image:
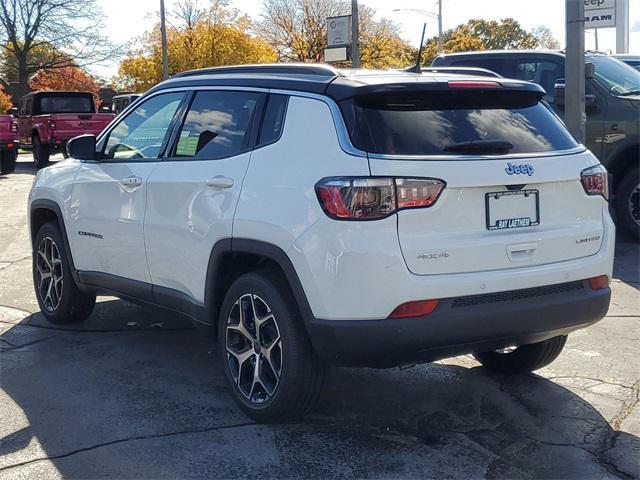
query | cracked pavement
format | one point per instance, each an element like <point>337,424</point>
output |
<point>134,392</point>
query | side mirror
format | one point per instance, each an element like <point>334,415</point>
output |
<point>589,70</point>
<point>82,147</point>
<point>558,93</point>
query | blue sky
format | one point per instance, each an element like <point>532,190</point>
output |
<point>126,19</point>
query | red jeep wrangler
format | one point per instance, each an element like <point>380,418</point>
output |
<point>8,144</point>
<point>46,120</point>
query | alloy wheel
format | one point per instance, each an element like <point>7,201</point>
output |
<point>254,348</point>
<point>634,204</point>
<point>49,274</point>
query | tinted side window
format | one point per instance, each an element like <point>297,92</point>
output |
<point>218,124</point>
<point>544,73</point>
<point>273,119</point>
<point>494,64</point>
<point>140,134</point>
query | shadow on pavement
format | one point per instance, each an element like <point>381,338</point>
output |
<point>135,392</point>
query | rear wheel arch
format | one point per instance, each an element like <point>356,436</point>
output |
<point>230,259</point>
<point>624,161</point>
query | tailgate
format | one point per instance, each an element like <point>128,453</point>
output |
<point>468,230</point>
<point>69,125</point>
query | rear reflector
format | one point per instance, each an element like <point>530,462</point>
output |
<point>473,84</point>
<point>598,283</point>
<point>414,309</point>
<point>9,145</point>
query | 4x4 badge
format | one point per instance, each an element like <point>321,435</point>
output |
<point>519,169</point>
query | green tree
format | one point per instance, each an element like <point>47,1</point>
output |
<point>545,38</point>
<point>501,35</point>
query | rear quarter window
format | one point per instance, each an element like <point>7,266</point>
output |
<point>429,123</point>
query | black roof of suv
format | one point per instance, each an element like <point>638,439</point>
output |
<point>326,80</point>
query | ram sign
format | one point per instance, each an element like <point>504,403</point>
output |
<point>599,13</point>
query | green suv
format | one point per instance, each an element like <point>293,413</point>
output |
<point>612,105</point>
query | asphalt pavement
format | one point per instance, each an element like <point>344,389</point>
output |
<point>135,393</point>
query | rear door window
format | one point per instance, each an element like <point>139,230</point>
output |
<point>439,122</point>
<point>218,125</point>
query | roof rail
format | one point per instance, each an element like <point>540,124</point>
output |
<point>477,71</point>
<point>267,68</point>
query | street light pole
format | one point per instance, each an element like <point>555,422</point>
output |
<point>163,33</point>
<point>355,35</point>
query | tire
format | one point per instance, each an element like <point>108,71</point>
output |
<point>61,302</point>
<point>8,161</point>
<point>627,203</point>
<point>291,357</point>
<point>525,358</point>
<point>41,152</point>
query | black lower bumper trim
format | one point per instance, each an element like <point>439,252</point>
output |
<point>453,329</point>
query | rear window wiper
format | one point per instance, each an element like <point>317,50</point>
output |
<point>476,146</point>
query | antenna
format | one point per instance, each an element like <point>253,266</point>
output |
<point>417,68</point>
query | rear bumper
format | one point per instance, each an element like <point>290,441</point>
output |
<point>461,325</point>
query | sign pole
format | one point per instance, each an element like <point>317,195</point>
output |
<point>355,44</point>
<point>574,114</point>
<point>163,33</point>
<point>622,26</point>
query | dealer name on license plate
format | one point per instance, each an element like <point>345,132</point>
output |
<point>512,209</point>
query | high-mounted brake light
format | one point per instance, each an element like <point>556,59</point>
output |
<point>473,84</point>
<point>595,181</point>
<point>418,308</point>
<point>372,198</point>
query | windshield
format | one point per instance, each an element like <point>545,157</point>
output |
<point>616,76</point>
<point>454,123</point>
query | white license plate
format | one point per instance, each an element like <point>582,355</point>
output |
<point>512,209</point>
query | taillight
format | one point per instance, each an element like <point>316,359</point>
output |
<point>418,308</point>
<point>595,181</point>
<point>372,198</point>
<point>14,127</point>
<point>52,124</point>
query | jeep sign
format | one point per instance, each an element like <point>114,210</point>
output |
<point>599,13</point>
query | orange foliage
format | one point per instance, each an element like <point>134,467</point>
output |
<point>70,79</point>
<point>5,101</point>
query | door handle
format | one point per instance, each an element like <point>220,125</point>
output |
<point>131,183</point>
<point>219,182</point>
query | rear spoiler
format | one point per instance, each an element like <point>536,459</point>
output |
<point>341,91</point>
<point>475,71</point>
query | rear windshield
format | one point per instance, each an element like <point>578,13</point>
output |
<point>441,122</point>
<point>66,104</point>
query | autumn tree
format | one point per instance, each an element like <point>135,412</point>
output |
<point>479,35</point>
<point>545,38</point>
<point>5,101</point>
<point>297,29</point>
<point>48,34</point>
<point>195,39</point>
<point>71,79</point>
<point>505,34</point>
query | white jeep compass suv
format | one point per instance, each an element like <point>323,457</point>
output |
<point>313,216</point>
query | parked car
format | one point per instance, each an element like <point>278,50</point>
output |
<point>120,102</point>
<point>612,107</point>
<point>629,59</point>
<point>47,120</point>
<point>317,217</point>
<point>8,144</point>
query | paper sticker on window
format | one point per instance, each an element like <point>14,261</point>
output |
<point>187,145</point>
